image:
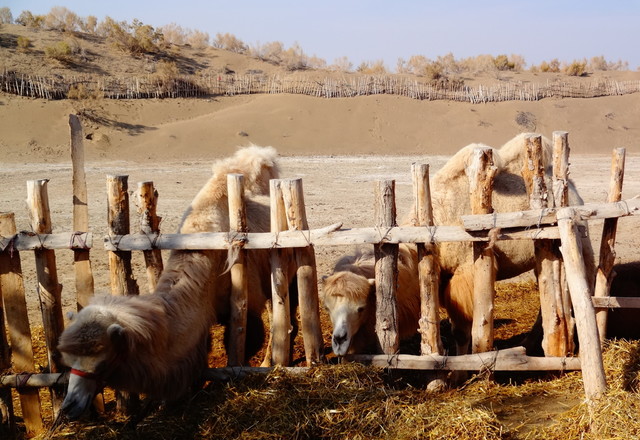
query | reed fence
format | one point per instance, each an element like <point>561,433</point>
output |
<point>555,226</point>
<point>150,86</point>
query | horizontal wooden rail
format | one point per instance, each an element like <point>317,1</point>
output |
<point>512,359</point>
<point>616,302</point>
<point>29,241</point>
<point>547,216</point>
<point>329,236</point>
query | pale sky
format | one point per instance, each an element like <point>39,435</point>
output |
<point>387,30</point>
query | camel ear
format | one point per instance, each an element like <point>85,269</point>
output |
<point>117,335</point>
<point>324,278</point>
<point>372,285</point>
<point>71,316</point>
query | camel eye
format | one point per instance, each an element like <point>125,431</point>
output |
<point>360,309</point>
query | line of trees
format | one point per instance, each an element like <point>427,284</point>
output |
<point>138,38</point>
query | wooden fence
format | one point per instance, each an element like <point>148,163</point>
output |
<point>547,225</point>
<point>150,86</point>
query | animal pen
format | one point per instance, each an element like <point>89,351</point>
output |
<point>555,229</point>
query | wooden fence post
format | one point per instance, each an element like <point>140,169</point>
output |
<point>293,197</point>
<point>607,244</point>
<point>428,269</point>
<point>481,173</point>
<point>386,269</point>
<point>122,280</point>
<point>590,350</point>
<point>281,315</point>
<point>81,259</point>
<point>150,224</point>
<point>554,341</point>
<point>239,273</point>
<point>15,307</point>
<point>7,420</point>
<point>49,290</point>
<point>561,199</point>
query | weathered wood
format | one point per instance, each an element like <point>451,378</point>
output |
<point>28,241</point>
<point>150,224</point>
<point>328,236</point>
<point>121,274</point>
<point>7,420</point>
<point>481,173</point>
<point>617,302</point>
<point>561,152</point>
<point>590,350</point>
<point>239,274</point>
<point>607,251</point>
<point>15,308</point>
<point>49,290</point>
<point>512,359</point>
<point>386,270</point>
<point>281,315</point>
<point>554,340</point>
<point>428,269</point>
<point>293,197</point>
<point>536,217</point>
<point>81,256</point>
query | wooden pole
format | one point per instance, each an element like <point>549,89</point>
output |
<point>428,269</point>
<point>590,349</point>
<point>307,275</point>
<point>239,273</point>
<point>607,244</point>
<point>561,199</point>
<point>122,280</point>
<point>554,341</point>
<point>386,269</point>
<point>81,259</point>
<point>49,290</point>
<point>7,420</point>
<point>481,173</point>
<point>150,224</point>
<point>281,316</point>
<point>15,308</point>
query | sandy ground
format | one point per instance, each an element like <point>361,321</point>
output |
<point>336,189</point>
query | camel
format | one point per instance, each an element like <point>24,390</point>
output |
<point>349,297</point>
<point>449,187</point>
<point>157,344</point>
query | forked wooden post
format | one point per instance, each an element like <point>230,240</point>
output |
<point>293,197</point>
<point>49,290</point>
<point>590,349</point>
<point>428,269</point>
<point>15,308</point>
<point>607,250</point>
<point>561,199</point>
<point>554,341</point>
<point>386,269</point>
<point>150,224</point>
<point>81,259</point>
<point>281,321</point>
<point>481,173</point>
<point>239,273</point>
<point>122,280</point>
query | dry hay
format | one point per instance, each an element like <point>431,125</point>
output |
<point>359,402</point>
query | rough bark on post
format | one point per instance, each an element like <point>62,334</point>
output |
<point>590,349</point>
<point>607,243</point>
<point>281,313</point>
<point>428,269</point>
<point>239,274</point>
<point>386,269</point>
<point>81,258</point>
<point>554,341</point>
<point>49,290</point>
<point>293,197</point>
<point>7,420</point>
<point>481,173</point>
<point>150,224</point>
<point>122,280</point>
<point>15,308</point>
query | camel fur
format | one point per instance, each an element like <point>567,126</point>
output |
<point>157,344</point>
<point>349,297</point>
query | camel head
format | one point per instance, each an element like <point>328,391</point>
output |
<point>92,346</point>
<point>350,301</point>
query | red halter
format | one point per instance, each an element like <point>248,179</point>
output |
<point>84,374</point>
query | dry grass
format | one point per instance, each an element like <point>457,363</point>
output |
<point>357,402</point>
